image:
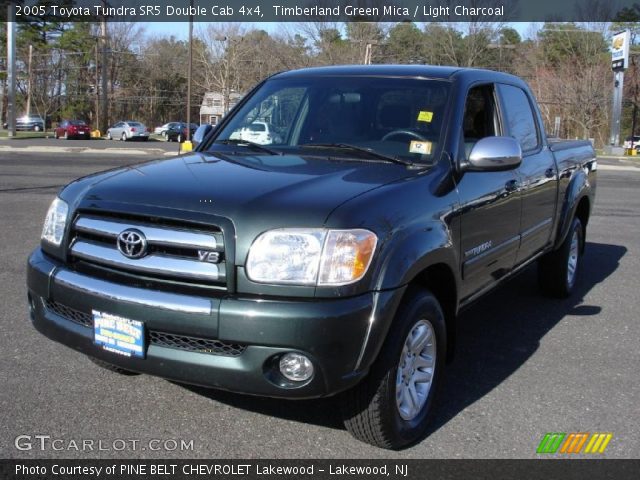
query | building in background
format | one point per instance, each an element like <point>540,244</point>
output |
<point>214,107</point>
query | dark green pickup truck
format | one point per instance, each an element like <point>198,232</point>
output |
<point>321,240</point>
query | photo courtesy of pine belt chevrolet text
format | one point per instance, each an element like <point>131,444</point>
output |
<point>320,240</point>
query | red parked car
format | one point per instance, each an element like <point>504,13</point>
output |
<point>72,129</point>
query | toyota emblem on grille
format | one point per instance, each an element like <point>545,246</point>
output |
<point>132,243</point>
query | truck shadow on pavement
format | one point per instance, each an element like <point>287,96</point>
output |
<point>495,337</point>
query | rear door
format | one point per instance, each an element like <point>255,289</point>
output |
<point>490,201</point>
<point>116,130</point>
<point>538,172</point>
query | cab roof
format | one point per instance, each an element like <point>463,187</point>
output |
<point>408,71</point>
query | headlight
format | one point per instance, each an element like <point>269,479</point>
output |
<point>311,256</point>
<point>55,221</point>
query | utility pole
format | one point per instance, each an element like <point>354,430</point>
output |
<point>189,69</point>
<point>96,119</point>
<point>104,114</point>
<point>11,70</point>
<point>28,112</point>
<point>367,54</point>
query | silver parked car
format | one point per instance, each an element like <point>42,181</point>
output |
<point>128,131</point>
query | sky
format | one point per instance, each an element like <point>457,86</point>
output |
<point>181,29</point>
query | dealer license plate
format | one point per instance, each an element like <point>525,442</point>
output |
<point>119,335</point>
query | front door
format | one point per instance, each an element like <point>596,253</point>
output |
<point>490,202</point>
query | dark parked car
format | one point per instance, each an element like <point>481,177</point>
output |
<point>178,132</point>
<point>30,122</point>
<point>72,129</point>
<point>331,262</point>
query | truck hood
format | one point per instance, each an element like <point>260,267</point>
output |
<point>255,192</point>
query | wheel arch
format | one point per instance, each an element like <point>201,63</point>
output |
<point>576,203</point>
<point>440,280</point>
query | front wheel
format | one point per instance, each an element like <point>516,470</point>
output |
<point>109,137</point>
<point>391,408</point>
<point>558,270</point>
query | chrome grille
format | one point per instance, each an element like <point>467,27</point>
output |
<point>173,252</point>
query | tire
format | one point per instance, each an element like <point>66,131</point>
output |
<point>558,270</point>
<point>66,135</point>
<point>180,139</point>
<point>55,135</point>
<point>112,368</point>
<point>164,135</point>
<point>36,128</point>
<point>123,137</point>
<point>377,410</point>
<point>109,137</point>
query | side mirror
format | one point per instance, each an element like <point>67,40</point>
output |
<point>201,132</point>
<point>494,154</point>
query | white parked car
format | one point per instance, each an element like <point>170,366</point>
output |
<point>257,132</point>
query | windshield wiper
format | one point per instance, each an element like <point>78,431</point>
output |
<point>245,143</point>
<point>355,148</point>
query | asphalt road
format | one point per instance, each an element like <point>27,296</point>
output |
<point>526,365</point>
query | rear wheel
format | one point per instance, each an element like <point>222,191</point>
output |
<point>558,270</point>
<point>123,137</point>
<point>180,139</point>
<point>112,368</point>
<point>66,135</point>
<point>391,408</point>
<point>55,134</point>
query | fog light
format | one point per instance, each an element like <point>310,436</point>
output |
<point>296,367</point>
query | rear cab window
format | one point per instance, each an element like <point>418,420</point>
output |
<point>519,117</point>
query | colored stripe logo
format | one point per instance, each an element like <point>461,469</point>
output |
<point>574,442</point>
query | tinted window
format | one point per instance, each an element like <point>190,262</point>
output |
<point>257,127</point>
<point>479,119</point>
<point>519,116</point>
<point>76,122</point>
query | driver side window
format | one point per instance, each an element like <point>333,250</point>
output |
<point>480,116</point>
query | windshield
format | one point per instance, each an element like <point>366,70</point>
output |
<point>394,117</point>
<point>76,122</point>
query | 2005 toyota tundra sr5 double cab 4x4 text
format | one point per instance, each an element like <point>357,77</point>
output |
<point>331,258</point>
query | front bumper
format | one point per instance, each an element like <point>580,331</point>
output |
<point>331,332</point>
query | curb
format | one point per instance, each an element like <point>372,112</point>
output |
<point>87,150</point>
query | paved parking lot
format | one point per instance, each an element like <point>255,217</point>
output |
<point>526,365</point>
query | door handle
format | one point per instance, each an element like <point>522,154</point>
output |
<point>511,186</point>
<point>550,173</point>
